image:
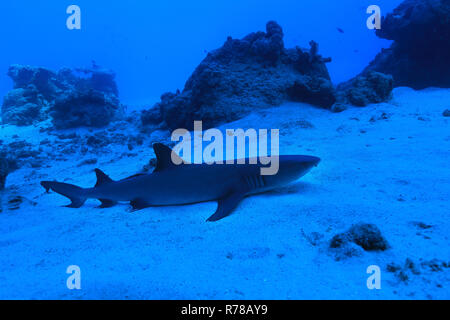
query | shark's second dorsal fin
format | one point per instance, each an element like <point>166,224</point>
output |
<point>102,178</point>
<point>164,156</point>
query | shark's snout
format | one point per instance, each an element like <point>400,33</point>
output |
<point>309,161</point>
<point>314,161</point>
<point>293,167</point>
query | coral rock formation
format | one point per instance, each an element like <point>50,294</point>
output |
<point>373,87</point>
<point>419,57</point>
<point>72,97</point>
<point>244,74</point>
<point>91,109</point>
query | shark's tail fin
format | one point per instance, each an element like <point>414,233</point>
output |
<point>74,193</point>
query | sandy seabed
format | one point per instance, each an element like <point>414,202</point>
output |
<point>385,164</point>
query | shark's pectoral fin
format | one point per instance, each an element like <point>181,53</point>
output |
<point>138,204</point>
<point>76,203</point>
<point>226,205</point>
<point>107,203</point>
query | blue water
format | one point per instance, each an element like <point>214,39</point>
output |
<point>153,46</point>
<point>385,164</point>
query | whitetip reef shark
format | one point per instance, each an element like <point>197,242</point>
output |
<point>171,184</point>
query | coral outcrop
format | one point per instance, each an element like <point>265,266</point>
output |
<point>254,72</point>
<point>373,87</point>
<point>70,97</point>
<point>24,106</point>
<point>91,108</point>
<point>419,57</point>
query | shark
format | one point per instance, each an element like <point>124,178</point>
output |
<point>187,183</point>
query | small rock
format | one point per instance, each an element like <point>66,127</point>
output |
<point>434,265</point>
<point>338,107</point>
<point>402,275</point>
<point>393,267</point>
<point>367,236</point>
<point>87,162</point>
<point>411,268</point>
<point>409,264</point>
<point>14,202</point>
<point>421,225</point>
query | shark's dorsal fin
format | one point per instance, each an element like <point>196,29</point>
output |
<point>102,178</point>
<point>164,157</point>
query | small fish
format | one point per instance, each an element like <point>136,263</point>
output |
<point>340,30</point>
